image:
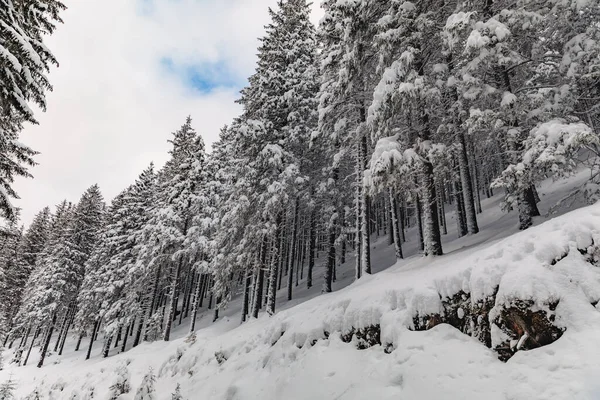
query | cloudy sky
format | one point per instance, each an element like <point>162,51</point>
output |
<point>130,72</point>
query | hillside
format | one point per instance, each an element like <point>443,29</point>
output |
<point>390,335</point>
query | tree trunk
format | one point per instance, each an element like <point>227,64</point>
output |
<point>292,257</point>
<point>106,347</point>
<point>201,284</point>
<point>419,219</point>
<point>312,239</point>
<point>79,339</point>
<point>461,219</point>
<point>260,283</point>
<point>172,301</point>
<point>277,242</point>
<point>330,256</point>
<point>118,339</point>
<point>441,209</point>
<point>464,168</point>
<point>65,333</point>
<point>365,219</point>
<point>94,331</point>
<point>35,335</point>
<point>246,301</point>
<point>127,333</point>
<point>431,227</point>
<point>395,226</point>
<point>217,305</point>
<point>46,343</point>
<point>138,332</point>
<point>63,324</point>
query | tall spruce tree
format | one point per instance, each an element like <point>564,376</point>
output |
<point>24,65</point>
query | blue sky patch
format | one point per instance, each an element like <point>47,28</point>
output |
<point>203,77</point>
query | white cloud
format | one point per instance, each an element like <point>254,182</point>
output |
<point>114,106</point>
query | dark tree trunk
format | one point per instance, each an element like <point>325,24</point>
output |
<point>292,257</point>
<point>281,261</point>
<point>35,335</point>
<point>441,209</point>
<point>138,332</point>
<point>419,222</point>
<point>93,335</point>
<point>172,301</point>
<point>79,339</point>
<point>312,242</point>
<point>200,287</point>
<point>431,222</point>
<point>277,243</point>
<point>460,211</point>
<point>260,282</point>
<point>65,333</point>
<point>106,347</point>
<point>366,218</point>
<point>127,333</point>
<point>46,343</point>
<point>63,324</point>
<point>401,212</point>
<point>188,299</point>
<point>118,338</point>
<point>246,301</point>
<point>204,288</point>
<point>330,258</point>
<point>395,226</point>
<point>216,314</point>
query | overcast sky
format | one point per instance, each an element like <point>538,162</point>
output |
<point>130,71</point>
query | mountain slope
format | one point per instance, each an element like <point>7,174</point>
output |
<point>311,350</point>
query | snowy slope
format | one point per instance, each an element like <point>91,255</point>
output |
<point>299,353</point>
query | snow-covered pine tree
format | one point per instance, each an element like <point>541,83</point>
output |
<point>11,237</point>
<point>37,294</point>
<point>105,271</point>
<point>267,154</point>
<point>24,64</point>
<point>180,183</point>
<point>407,100</point>
<point>60,270</point>
<point>132,301</point>
<point>24,261</point>
<point>494,38</point>
<point>347,68</point>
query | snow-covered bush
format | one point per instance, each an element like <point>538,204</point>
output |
<point>146,391</point>
<point>121,384</point>
<point>7,390</point>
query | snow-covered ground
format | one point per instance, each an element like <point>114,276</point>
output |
<point>299,352</point>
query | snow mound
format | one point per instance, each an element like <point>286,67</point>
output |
<point>530,299</point>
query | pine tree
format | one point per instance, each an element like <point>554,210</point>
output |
<point>19,263</point>
<point>25,62</point>
<point>9,271</point>
<point>179,198</point>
